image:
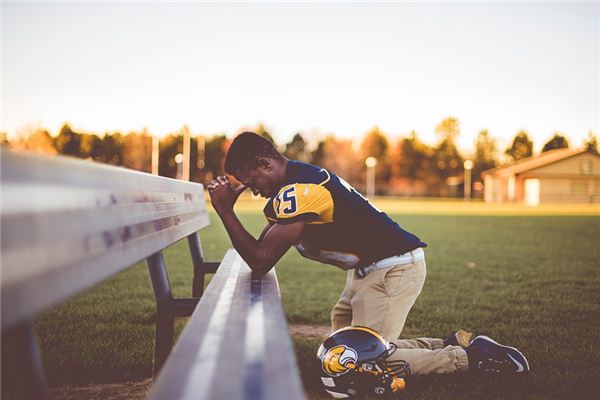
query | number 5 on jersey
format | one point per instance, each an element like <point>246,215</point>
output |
<point>287,201</point>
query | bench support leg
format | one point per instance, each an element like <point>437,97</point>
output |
<point>23,375</point>
<point>164,340</point>
<point>165,318</point>
<point>201,267</point>
<point>167,308</point>
<point>198,261</point>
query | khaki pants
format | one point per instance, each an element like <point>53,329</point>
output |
<point>381,300</point>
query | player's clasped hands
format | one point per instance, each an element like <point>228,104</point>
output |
<point>219,182</point>
<point>222,195</point>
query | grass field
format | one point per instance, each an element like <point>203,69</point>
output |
<point>528,277</point>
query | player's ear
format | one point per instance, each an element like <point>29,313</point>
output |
<point>265,163</point>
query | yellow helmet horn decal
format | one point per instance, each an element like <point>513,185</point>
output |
<point>338,360</point>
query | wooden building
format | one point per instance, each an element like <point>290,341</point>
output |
<point>555,176</point>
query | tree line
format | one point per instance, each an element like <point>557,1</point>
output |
<point>407,166</point>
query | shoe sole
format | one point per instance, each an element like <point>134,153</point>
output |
<point>516,354</point>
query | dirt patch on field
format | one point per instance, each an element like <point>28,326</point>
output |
<point>138,390</point>
<point>132,390</point>
<point>313,331</point>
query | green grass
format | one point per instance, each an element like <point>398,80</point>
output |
<point>523,276</point>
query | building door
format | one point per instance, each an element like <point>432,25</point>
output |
<point>532,192</point>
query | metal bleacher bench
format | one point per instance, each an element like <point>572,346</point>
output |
<point>67,225</point>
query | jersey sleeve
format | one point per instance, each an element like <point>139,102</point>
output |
<point>303,201</point>
<point>269,211</point>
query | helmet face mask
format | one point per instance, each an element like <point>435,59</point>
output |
<point>353,364</point>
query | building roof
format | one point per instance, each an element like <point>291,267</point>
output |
<point>533,162</point>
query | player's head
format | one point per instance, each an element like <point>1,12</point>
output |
<point>255,162</point>
<point>354,364</point>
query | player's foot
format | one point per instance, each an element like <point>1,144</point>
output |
<point>486,355</point>
<point>459,338</point>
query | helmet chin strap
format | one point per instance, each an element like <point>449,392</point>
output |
<point>392,349</point>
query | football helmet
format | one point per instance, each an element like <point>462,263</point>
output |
<point>353,364</point>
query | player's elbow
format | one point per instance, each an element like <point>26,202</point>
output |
<point>260,269</point>
<point>261,264</point>
<point>258,273</point>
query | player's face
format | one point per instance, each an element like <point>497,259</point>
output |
<point>260,180</point>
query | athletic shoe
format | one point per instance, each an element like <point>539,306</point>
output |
<point>488,356</point>
<point>459,338</point>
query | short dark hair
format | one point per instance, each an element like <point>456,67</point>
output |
<point>246,149</point>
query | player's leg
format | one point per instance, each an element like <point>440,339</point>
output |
<point>341,314</point>
<point>481,355</point>
<point>420,343</point>
<point>460,338</point>
<point>424,361</point>
<point>383,299</point>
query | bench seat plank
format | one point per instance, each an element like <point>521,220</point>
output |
<point>236,344</point>
<point>68,224</point>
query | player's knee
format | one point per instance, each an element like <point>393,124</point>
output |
<point>340,320</point>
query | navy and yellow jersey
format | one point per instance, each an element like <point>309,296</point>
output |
<point>342,227</point>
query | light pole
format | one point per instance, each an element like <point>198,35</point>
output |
<point>185,174</point>
<point>155,143</point>
<point>179,161</point>
<point>201,142</point>
<point>468,164</point>
<point>371,162</point>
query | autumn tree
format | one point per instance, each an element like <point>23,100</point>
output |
<point>558,141</point>
<point>521,147</point>
<point>215,151</point>
<point>591,144</point>
<point>412,158</point>
<point>90,146</point>
<point>296,149</point>
<point>138,151</point>
<point>262,130</point>
<point>37,141</point>
<point>317,156</point>
<point>67,141</point>
<point>447,159</point>
<point>339,157</point>
<point>485,154</point>
<point>448,128</point>
<point>413,172</point>
<point>112,149</point>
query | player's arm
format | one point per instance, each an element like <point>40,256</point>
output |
<point>265,230</point>
<point>261,255</point>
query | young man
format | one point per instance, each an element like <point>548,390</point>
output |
<point>329,221</point>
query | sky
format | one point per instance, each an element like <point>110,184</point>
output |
<point>315,68</point>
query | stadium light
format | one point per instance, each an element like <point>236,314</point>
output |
<point>468,164</point>
<point>155,154</point>
<point>179,161</point>
<point>187,142</point>
<point>371,162</point>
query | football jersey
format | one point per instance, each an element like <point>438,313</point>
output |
<point>342,227</point>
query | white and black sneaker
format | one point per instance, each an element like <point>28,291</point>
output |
<point>486,355</point>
